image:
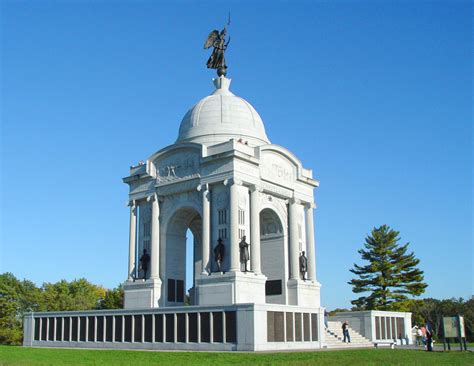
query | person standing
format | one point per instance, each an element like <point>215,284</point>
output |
<point>423,335</point>
<point>419,337</point>
<point>429,337</point>
<point>345,332</point>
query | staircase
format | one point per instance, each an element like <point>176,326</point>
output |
<point>334,337</point>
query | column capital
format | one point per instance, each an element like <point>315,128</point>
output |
<point>309,205</point>
<point>203,187</point>
<point>256,188</point>
<point>294,200</point>
<point>133,205</point>
<point>153,197</point>
<point>232,181</point>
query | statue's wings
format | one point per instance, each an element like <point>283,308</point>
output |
<point>211,38</point>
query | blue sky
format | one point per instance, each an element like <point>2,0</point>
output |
<point>375,97</point>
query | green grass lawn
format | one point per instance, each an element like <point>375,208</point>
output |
<point>45,356</point>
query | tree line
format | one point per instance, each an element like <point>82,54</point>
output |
<point>20,297</point>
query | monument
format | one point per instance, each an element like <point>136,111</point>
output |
<point>249,205</point>
<point>225,181</point>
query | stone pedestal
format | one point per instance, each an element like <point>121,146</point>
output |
<point>231,288</point>
<point>304,293</point>
<point>141,294</point>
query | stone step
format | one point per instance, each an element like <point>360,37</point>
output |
<point>334,337</point>
<point>341,337</point>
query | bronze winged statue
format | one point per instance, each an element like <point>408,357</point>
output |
<point>216,39</point>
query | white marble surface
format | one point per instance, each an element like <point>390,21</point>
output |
<point>220,117</point>
<point>221,157</point>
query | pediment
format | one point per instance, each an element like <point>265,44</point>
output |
<point>278,168</point>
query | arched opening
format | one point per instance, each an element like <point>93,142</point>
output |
<point>273,258</point>
<point>183,256</point>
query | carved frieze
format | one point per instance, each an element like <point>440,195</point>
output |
<point>179,166</point>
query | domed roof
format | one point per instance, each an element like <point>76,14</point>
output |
<point>220,117</point>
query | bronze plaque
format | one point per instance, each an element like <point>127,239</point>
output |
<point>306,327</point>
<point>279,326</point>
<point>273,287</point>
<point>181,327</point>
<point>314,327</point>
<point>270,326</point>
<point>298,335</point>
<point>290,325</point>
<point>137,335</point>
<point>230,327</point>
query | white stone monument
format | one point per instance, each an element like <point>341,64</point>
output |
<point>222,179</point>
<point>225,182</point>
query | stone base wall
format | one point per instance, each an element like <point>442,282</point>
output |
<point>142,294</point>
<point>242,327</point>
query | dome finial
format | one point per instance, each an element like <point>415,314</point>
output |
<point>221,83</point>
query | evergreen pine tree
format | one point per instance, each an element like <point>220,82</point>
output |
<point>390,275</point>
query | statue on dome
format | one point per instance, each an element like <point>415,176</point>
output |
<point>216,39</point>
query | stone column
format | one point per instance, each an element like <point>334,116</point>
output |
<point>234,227</point>
<point>206,227</point>
<point>294,242</point>
<point>132,254</point>
<point>310,242</point>
<point>155,238</point>
<point>255,230</point>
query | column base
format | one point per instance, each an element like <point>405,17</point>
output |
<point>231,288</point>
<point>142,294</point>
<point>304,293</point>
